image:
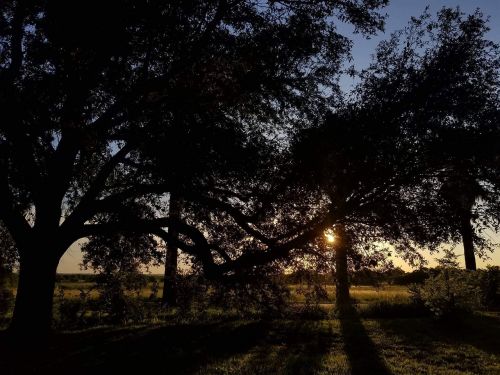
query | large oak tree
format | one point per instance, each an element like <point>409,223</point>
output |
<point>97,96</point>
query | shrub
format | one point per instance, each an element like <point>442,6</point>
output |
<point>314,294</point>
<point>71,311</point>
<point>489,283</point>
<point>262,296</point>
<point>449,292</point>
<point>120,296</point>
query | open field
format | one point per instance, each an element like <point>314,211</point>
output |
<point>362,295</point>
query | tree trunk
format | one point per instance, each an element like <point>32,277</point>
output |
<point>169,297</point>
<point>35,292</point>
<point>467,233</point>
<point>342,300</point>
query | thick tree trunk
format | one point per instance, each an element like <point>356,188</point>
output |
<point>35,292</point>
<point>342,298</point>
<point>169,297</point>
<point>467,232</point>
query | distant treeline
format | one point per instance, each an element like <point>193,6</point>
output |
<point>394,276</point>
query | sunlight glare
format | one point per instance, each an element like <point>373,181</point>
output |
<point>330,238</point>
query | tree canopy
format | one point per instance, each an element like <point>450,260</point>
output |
<point>234,107</point>
<point>108,108</point>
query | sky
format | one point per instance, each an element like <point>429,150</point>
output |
<point>398,13</point>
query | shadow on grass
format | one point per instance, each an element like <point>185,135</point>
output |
<point>362,353</point>
<point>172,350</point>
<point>479,331</point>
<point>287,347</point>
<point>296,347</point>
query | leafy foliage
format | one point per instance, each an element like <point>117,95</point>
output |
<point>111,107</point>
<point>452,291</point>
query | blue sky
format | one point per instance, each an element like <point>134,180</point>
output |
<point>398,13</point>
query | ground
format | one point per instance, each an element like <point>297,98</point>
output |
<point>354,345</point>
<point>347,346</point>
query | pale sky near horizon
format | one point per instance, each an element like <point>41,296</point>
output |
<point>399,13</point>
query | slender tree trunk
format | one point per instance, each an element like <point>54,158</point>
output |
<point>169,297</point>
<point>467,232</point>
<point>342,300</point>
<point>35,292</point>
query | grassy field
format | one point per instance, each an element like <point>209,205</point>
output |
<point>361,294</point>
<point>354,345</point>
<point>347,346</point>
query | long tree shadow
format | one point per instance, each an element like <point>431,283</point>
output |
<point>362,353</point>
<point>170,350</point>
<point>294,347</point>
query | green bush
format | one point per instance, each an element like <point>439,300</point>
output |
<point>452,292</point>
<point>489,282</point>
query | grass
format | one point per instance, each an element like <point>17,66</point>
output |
<point>337,346</point>
<point>398,343</point>
<point>361,294</point>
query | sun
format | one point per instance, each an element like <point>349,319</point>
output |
<point>330,238</point>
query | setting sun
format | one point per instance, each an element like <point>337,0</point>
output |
<point>330,238</point>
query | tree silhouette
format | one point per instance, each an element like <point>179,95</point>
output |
<point>426,108</point>
<point>110,107</point>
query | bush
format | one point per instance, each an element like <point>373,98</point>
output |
<point>71,311</point>
<point>450,292</point>
<point>118,301</point>
<point>489,283</point>
<point>263,297</point>
<point>314,294</point>
<point>120,296</point>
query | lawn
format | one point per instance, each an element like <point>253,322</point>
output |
<point>225,345</point>
<point>347,346</point>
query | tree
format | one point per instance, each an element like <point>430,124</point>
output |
<point>169,297</point>
<point>89,89</point>
<point>469,187</point>
<point>425,108</point>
